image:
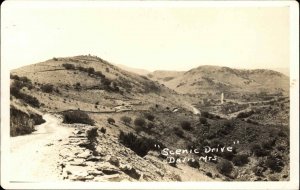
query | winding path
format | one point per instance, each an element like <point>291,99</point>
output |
<point>35,157</point>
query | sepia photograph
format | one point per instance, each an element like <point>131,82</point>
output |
<point>198,94</point>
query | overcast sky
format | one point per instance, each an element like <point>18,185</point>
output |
<point>152,38</point>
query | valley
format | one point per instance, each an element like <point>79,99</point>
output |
<point>115,120</point>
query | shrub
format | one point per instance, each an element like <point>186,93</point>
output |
<point>55,59</point>
<point>82,69</point>
<point>15,91</point>
<point>37,119</point>
<point>91,70</point>
<point>111,121</point>
<point>140,146</point>
<point>228,155</point>
<point>139,122</point>
<point>258,170</point>
<point>48,88</point>
<point>150,125</point>
<point>92,133</point>
<point>186,125</point>
<point>268,144</point>
<point>126,120</point>
<point>68,66</point>
<point>228,124</point>
<point>240,160</point>
<point>225,167</point>
<point>258,151</point>
<point>275,164</point>
<point>77,116</point>
<point>16,77</point>
<point>245,114</point>
<point>194,163</point>
<point>149,116</point>
<point>205,114</point>
<point>103,130</point>
<point>179,132</point>
<point>203,120</point>
<point>99,74</point>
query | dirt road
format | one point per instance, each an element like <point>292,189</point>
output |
<point>35,157</point>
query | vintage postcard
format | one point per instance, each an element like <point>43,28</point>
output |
<point>149,94</point>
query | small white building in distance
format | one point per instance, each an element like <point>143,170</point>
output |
<point>222,98</point>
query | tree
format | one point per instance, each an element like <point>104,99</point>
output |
<point>225,167</point>
<point>139,122</point>
<point>111,121</point>
<point>186,125</point>
<point>126,120</point>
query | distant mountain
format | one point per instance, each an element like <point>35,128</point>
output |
<point>282,70</point>
<point>221,79</point>
<point>133,70</point>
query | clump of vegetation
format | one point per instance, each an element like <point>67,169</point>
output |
<point>150,125</point>
<point>126,120</point>
<point>203,120</point>
<point>225,167</point>
<point>149,116</point>
<point>269,144</point>
<point>240,160</point>
<point>141,146</point>
<point>245,114</point>
<point>178,132</point>
<point>275,164</point>
<point>186,125</point>
<point>68,66</point>
<point>258,151</point>
<point>139,122</point>
<point>15,91</point>
<point>48,88</point>
<point>91,70</point>
<point>209,115</point>
<point>77,116</point>
<point>22,123</point>
<point>37,119</point>
<point>103,130</point>
<point>111,121</point>
<point>92,135</point>
<point>21,82</point>
<point>194,163</point>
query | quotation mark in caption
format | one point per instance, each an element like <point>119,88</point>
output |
<point>236,142</point>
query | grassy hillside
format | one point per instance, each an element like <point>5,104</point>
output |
<point>214,79</point>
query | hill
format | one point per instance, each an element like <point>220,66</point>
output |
<point>85,82</point>
<point>122,121</point>
<point>214,79</point>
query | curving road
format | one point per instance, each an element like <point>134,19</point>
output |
<point>35,157</point>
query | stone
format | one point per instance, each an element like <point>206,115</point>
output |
<point>114,161</point>
<point>107,168</point>
<point>95,173</point>
<point>84,155</point>
<point>132,172</point>
<point>93,159</point>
